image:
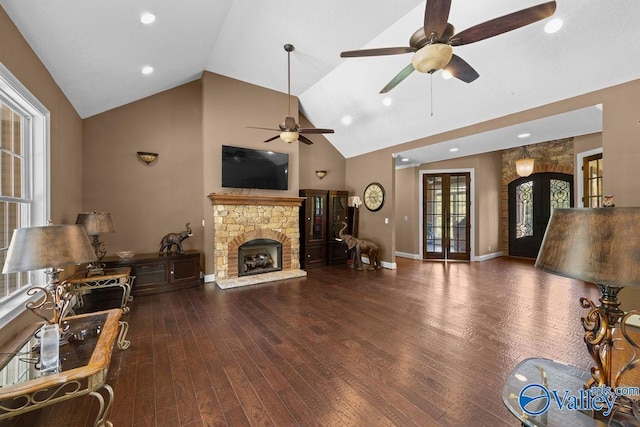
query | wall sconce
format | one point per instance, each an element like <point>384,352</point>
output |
<point>321,174</point>
<point>148,158</point>
<point>524,166</point>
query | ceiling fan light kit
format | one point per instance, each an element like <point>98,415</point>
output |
<point>289,136</point>
<point>432,57</point>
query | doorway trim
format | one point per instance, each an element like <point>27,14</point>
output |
<point>472,211</point>
<point>579,174</point>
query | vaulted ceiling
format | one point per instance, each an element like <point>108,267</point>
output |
<point>95,51</point>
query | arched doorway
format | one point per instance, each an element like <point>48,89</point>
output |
<point>531,202</point>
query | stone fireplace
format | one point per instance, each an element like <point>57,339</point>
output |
<point>252,224</point>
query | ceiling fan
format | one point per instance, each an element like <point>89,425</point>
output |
<point>291,131</point>
<point>431,44</point>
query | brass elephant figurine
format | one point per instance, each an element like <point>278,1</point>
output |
<point>362,246</point>
<point>174,239</point>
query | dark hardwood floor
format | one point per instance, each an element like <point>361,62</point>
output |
<point>430,343</point>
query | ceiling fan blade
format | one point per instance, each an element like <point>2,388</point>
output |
<point>315,130</point>
<point>255,127</point>
<point>436,14</point>
<point>459,68</point>
<point>271,139</point>
<point>304,139</point>
<point>504,24</point>
<point>377,52</point>
<point>398,78</point>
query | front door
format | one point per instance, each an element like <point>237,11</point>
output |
<point>531,202</point>
<point>446,208</point>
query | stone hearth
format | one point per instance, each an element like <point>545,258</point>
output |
<point>239,219</point>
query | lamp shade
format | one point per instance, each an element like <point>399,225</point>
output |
<point>51,246</point>
<point>96,223</point>
<point>354,201</point>
<point>599,245</point>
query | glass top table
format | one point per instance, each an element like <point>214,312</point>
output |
<point>540,392</point>
<point>84,352</point>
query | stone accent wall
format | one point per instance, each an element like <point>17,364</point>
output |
<point>239,219</point>
<point>551,156</point>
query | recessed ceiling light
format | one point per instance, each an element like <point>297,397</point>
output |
<point>553,26</point>
<point>524,135</point>
<point>387,101</point>
<point>454,149</point>
<point>446,75</point>
<point>147,18</point>
<point>404,159</point>
<point>346,120</point>
<point>146,70</point>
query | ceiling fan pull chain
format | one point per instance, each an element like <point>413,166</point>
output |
<point>431,94</point>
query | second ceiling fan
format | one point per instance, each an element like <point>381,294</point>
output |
<point>291,131</point>
<point>432,43</point>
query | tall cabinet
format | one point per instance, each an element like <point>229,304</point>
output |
<point>321,218</point>
<point>313,228</point>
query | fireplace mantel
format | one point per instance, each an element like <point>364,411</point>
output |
<point>245,199</point>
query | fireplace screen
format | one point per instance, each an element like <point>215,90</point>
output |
<point>259,256</point>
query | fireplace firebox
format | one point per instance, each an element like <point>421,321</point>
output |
<point>259,256</point>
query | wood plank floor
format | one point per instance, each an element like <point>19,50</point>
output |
<point>430,343</point>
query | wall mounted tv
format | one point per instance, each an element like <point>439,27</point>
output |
<point>248,168</point>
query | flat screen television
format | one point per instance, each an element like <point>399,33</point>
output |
<point>249,168</point>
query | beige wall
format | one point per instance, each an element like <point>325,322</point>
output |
<point>361,171</point>
<point>65,134</point>
<point>320,156</point>
<point>146,202</point>
<point>407,211</point>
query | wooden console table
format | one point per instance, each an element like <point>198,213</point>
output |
<point>119,277</point>
<point>85,355</point>
<point>155,274</point>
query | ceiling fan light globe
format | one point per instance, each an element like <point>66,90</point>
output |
<point>524,167</point>
<point>289,136</point>
<point>432,57</point>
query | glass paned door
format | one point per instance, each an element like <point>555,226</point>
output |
<point>532,200</point>
<point>446,225</point>
<point>592,175</point>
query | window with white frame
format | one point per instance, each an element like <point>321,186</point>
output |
<point>24,178</point>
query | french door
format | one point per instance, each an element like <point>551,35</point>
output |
<point>446,208</point>
<point>532,199</point>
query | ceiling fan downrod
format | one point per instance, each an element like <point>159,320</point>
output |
<point>289,48</point>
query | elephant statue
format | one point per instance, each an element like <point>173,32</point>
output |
<point>362,246</point>
<point>174,239</point>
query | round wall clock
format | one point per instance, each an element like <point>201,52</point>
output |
<point>374,196</point>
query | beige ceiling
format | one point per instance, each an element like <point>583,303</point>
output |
<point>95,51</point>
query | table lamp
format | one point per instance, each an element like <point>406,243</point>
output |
<point>601,246</point>
<point>96,223</point>
<point>49,247</point>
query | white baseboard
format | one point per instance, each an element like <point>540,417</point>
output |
<point>488,256</point>
<point>383,264</point>
<point>209,278</point>
<point>408,255</point>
